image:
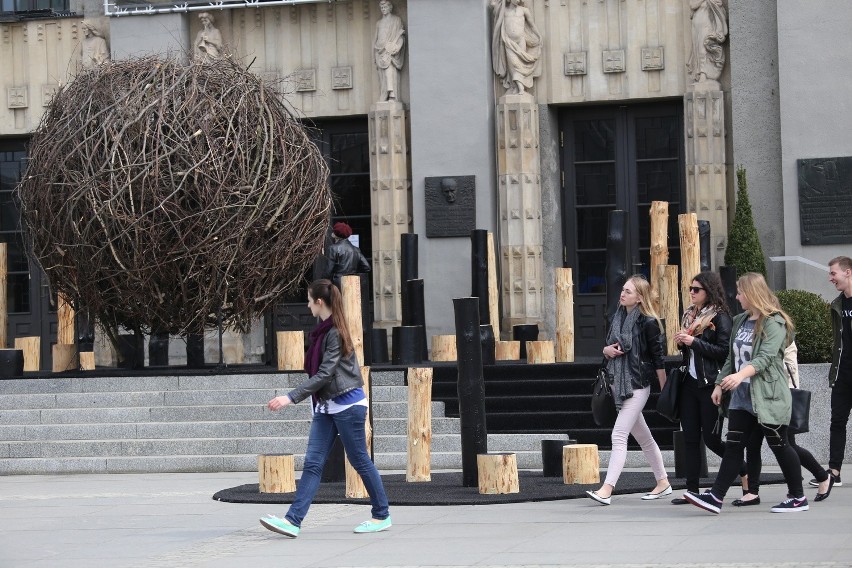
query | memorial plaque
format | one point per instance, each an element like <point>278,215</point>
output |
<point>450,206</point>
<point>825,200</point>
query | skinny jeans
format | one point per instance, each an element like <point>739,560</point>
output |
<point>841,405</point>
<point>631,421</point>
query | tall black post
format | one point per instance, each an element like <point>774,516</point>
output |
<point>728,274</point>
<point>616,259</point>
<point>479,272</point>
<point>408,262</point>
<point>195,350</point>
<point>417,310</point>
<point>158,349</point>
<point>366,318</point>
<point>704,245</point>
<point>85,330</point>
<point>471,388</point>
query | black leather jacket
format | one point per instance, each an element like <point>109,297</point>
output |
<point>645,361</point>
<point>345,259</point>
<point>711,350</point>
<point>337,373</point>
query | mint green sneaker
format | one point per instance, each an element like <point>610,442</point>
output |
<point>281,526</point>
<point>372,526</point>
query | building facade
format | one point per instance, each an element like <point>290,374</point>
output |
<point>532,120</point>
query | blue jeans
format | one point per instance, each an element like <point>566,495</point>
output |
<point>324,429</point>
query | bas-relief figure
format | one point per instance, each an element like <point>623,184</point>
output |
<point>208,42</point>
<point>515,45</point>
<point>389,51</point>
<point>95,50</point>
<point>709,31</point>
<point>449,188</point>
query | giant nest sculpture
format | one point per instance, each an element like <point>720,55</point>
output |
<point>159,195</point>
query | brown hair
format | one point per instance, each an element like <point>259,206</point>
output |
<point>712,285</point>
<point>327,292</point>
<point>844,262</point>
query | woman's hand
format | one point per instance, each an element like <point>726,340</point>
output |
<point>683,338</point>
<point>279,402</point>
<point>716,397</point>
<point>613,351</point>
<point>731,382</point>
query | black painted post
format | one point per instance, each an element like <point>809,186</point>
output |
<point>704,245</point>
<point>408,262</point>
<point>158,349</point>
<point>616,259</point>
<point>85,330</point>
<point>366,318</point>
<point>524,332</point>
<point>728,274</point>
<point>486,339</point>
<point>417,311</point>
<point>379,345</point>
<point>407,346</point>
<point>479,272</point>
<point>471,388</point>
<point>194,350</point>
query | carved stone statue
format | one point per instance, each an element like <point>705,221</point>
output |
<point>515,45</point>
<point>95,50</point>
<point>208,42</point>
<point>709,31</point>
<point>389,51</point>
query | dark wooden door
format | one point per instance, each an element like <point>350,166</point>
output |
<point>615,157</point>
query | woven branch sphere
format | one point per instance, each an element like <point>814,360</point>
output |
<point>158,193</point>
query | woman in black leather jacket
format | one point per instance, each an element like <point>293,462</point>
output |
<point>703,340</point>
<point>340,407</point>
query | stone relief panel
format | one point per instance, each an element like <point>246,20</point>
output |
<point>450,206</point>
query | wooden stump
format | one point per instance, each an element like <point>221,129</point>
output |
<point>350,289</point>
<point>64,322</point>
<point>354,484</point>
<point>493,291</point>
<point>65,358</point>
<point>31,346</point>
<point>539,352</point>
<point>87,360</point>
<point>419,424</point>
<point>581,464</point>
<point>498,473</point>
<point>669,304</point>
<point>291,350</point>
<point>690,254</point>
<point>659,243</point>
<point>507,350</point>
<point>564,315</point>
<point>276,473</point>
<point>444,348</point>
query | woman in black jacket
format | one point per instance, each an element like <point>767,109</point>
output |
<point>340,407</point>
<point>703,340</point>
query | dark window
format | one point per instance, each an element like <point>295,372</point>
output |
<point>12,163</point>
<point>34,5</point>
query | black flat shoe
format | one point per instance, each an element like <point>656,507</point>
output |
<point>681,500</point>
<point>742,503</point>
<point>824,496</point>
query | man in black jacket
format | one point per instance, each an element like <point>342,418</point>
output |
<point>344,258</point>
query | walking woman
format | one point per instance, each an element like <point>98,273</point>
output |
<point>340,407</point>
<point>754,375</point>
<point>634,353</point>
<point>703,339</point>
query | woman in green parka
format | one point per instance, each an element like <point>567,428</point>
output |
<point>754,376</point>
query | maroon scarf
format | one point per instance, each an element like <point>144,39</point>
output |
<point>313,357</point>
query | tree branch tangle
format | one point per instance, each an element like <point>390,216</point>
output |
<point>157,193</point>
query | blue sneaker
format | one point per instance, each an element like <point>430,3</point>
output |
<point>373,526</point>
<point>281,526</point>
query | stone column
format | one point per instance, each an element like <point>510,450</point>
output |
<point>706,173</point>
<point>519,187</point>
<point>390,203</point>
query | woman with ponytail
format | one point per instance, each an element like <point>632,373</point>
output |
<point>340,407</point>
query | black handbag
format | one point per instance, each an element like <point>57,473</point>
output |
<point>668,403</point>
<point>801,415</point>
<point>603,405</point>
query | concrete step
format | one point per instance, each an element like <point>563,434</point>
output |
<point>152,447</point>
<point>400,410</point>
<point>399,426</point>
<point>452,442</point>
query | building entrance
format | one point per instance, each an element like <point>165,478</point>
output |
<point>615,157</point>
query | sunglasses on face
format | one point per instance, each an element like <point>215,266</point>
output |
<point>695,289</point>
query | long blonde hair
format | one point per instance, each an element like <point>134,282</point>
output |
<point>762,302</point>
<point>646,306</point>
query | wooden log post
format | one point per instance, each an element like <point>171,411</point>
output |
<point>669,304</point>
<point>291,350</point>
<point>540,352</point>
<point>87,360</point>
<point>276,473</point>
<point>498,473</point>
<point>65,323</point>
<point>4,305</point>
<point>419,424</point>
<point>659,242</point>
<point>493,292</point>
<point>65,358</point>
<point>354,484</point>
<point>351,291</point>
<point>581,464</point>
<point>507,350</point>
<point>564,315</point>
<point>31,346</point>
<point>443,348</point>
<point>690,253</point>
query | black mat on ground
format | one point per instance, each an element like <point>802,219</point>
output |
<point>446,489</point>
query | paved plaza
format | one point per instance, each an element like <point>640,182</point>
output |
<point>170,520</point>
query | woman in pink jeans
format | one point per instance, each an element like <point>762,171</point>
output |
<point>634,353</point>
